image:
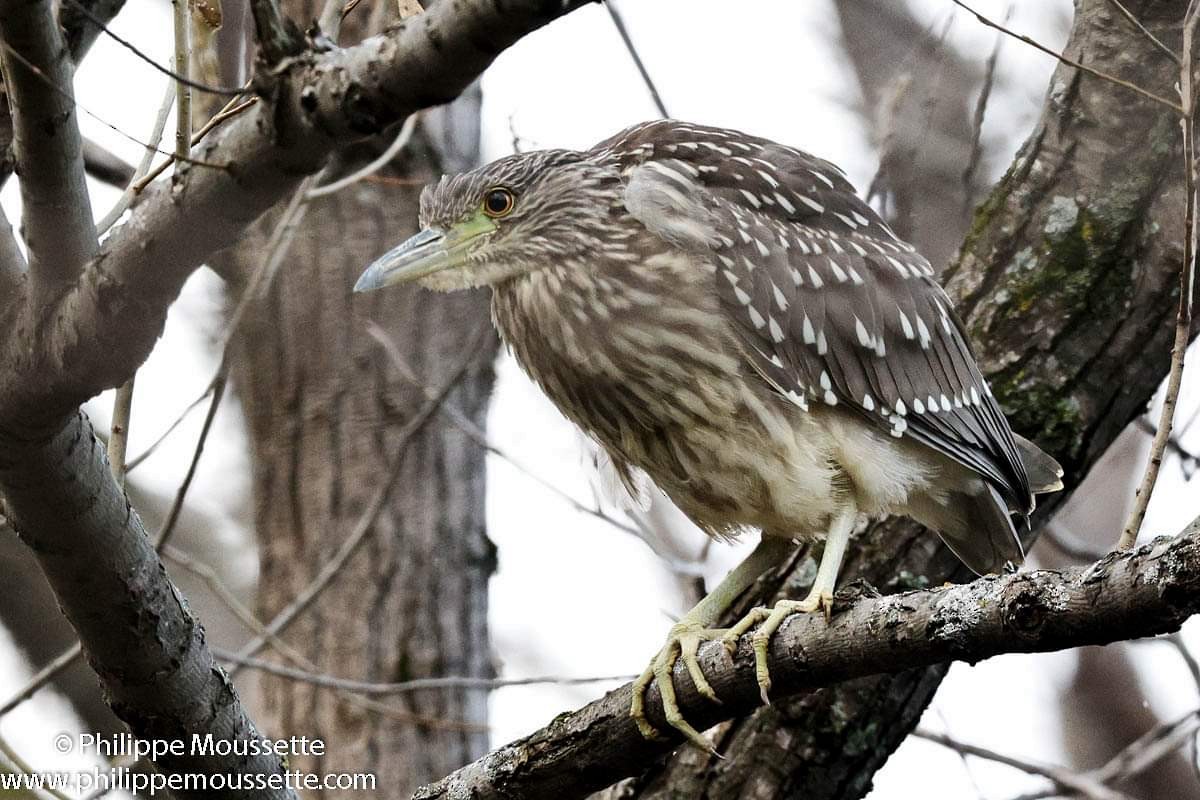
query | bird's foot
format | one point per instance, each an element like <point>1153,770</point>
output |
<point>771,619</point>
<point>684,642</point>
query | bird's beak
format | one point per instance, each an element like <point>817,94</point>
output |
<point>432,250</point>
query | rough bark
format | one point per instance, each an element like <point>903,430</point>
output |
<point>1126,595</point>
<point>324,406</point>
<point>139,636</point>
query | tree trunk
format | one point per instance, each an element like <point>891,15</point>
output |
<point>1067,283</point>
<point>325,409</point>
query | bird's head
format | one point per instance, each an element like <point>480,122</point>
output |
<point>505,219</point>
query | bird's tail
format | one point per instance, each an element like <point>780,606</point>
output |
<point>1045,475</point>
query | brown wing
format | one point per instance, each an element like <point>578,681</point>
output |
<point>831,305</point>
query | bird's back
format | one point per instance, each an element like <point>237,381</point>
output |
<point>755,286</point>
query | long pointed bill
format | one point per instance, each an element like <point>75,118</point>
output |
<point>414,258</point>
<point>432,250</point>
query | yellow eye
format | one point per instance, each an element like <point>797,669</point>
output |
<point>498,202</point>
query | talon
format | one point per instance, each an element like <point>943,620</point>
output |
<point>683,642</point>
<point>771,621</point>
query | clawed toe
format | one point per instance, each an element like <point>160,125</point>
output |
<point>684,642</point>
<point>768,621</point>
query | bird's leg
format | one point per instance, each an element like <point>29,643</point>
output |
<point>820,596</point>
<point>685,638</point>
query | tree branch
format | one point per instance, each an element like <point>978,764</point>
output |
<point>278,37</point>
<point>111,318</point>
<point>57,214</point>
<point>139,635</point>
<point>12,263</point>
<point>1123,596</point>
<point>79,19</point>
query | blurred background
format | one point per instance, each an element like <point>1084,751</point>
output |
<point>891,92</point>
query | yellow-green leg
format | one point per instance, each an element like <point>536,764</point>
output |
<point>820,596</point>
<point>694,628</point>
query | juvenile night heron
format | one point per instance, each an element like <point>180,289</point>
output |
<point>723,314</point>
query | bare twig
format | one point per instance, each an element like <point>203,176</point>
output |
<point>1189,660</point>
<point>1188,461</point>
<point>1063,778</point>
<point>619,24</point>
<point>1069,62</point>
<point>985,93</point>
<point>57,213</point>
<point>118,436</point>
<point>19,764</point>
<point>1162,48</point>
<point>58,89</point>
<point>178,76</point>
<point>168,526</point>
<point>43,677</point>
<point>143,167</point>
<point>231,109</point>
<point>385,158</point>
<point>373,689</point>
<point>183,95</point>
<point>1183,318</point>
<point>149,451</point>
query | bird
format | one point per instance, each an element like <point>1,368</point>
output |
<point>723,315</point>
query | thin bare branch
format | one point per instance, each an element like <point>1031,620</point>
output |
<point>179,76</point>
<point>143,167</point>
<point>118,436</point>
<point>231,109</point>
<point>619,23</point>
<point>1069,62</point>
<point>1162,48</point>
<point>42,678</point>
<point>57,214</point>
<point>168,526</point>
<point>1183,317</point>
<point>373,689</point>
<point>162,437</point>
<point>182,19</point>
<point>59,89</point>
<point>1063,778</point>
<point>399,143</point>
<point>19,764</point>
<point>985,93</point>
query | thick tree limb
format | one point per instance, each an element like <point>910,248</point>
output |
<point>81,32</point>
<point>12,263</point>
<point>140,638</point>
<point>57,213</point>
<point>1124,596</point>
<point>109,321</point>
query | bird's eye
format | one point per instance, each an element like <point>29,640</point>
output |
<point>498,202</point>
